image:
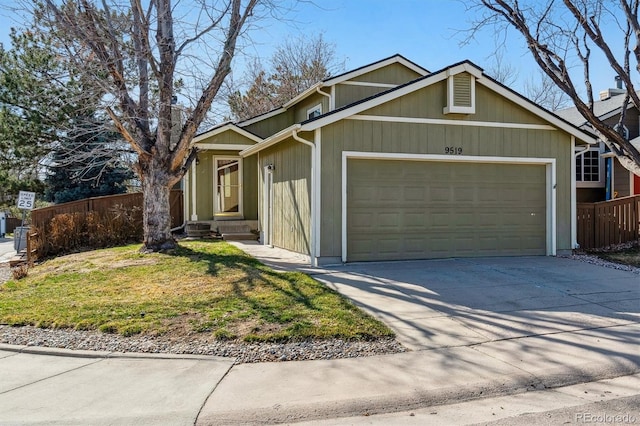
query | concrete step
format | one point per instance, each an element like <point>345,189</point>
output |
<point>234,229</point>
<point>198,229</point>
<point>239,236</point>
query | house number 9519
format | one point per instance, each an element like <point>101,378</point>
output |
<point>453,150</point>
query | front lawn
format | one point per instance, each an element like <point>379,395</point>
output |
<point>205,287</point>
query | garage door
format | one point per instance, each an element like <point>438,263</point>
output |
<point>424,209</point>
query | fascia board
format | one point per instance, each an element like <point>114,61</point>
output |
<point>261,117</point>
<point>232,127</point>
<point>278,137</point>
<point>311,90</point>
<point>545,115</point>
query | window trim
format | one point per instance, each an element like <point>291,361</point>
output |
<point>600,183</point>
<point>314,109</point>
<point>240,212</point>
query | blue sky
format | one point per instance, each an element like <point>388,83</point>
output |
<point>364,31</point>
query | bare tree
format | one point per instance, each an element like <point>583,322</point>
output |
<point>544,92</point>
<point>136,51</point>
<point>502,71</point>
<point>566,39</point>
<point>297,64</point>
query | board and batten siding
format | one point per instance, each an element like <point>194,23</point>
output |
<point>291,162</point>
<point>394,74</point>
<point>391,74</point>
<point>271,125</point>
<point>421,138</point>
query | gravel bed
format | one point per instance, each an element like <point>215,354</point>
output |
<point>243,352</point>
<point>595,260</point>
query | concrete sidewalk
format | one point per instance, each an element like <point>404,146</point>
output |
<point>513,355</point>
<point>7,250</point>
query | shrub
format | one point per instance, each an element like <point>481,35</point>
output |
<point>68,232</point>
<point>20,272</point>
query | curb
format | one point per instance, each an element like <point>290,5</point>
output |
<point>73,353</point>
<point>413,400</point>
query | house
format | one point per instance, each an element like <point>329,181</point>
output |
<point>599,175</point>
<point>392,162</point>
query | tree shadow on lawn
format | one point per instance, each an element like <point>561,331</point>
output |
<point>277,297</point>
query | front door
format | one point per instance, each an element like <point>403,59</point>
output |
<point>228,187</point>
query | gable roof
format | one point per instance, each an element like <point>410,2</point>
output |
<point>412,86</point>
<point>331,81</point>
<point>397,58</point>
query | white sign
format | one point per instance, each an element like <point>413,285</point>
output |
<point>26,200</point>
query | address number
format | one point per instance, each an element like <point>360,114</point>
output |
<point>453,150</point>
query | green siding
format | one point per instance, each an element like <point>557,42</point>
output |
<point>348,94</point>
<point>272,125</point>
<point>391,74</point>
<point>430,101</point>
<point>250,187</point>
<point>291,194</point>
<point>374,136</point>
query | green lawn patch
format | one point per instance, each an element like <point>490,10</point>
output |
<point>206,287</point>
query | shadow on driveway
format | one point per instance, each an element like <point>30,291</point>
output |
<point>461,302</point>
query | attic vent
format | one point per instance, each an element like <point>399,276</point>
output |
<point>460,94</point>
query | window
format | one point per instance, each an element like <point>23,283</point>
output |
<point>588,166</point>
<point>314,112</point>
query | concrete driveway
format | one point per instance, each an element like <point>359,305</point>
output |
<point>460,302</point>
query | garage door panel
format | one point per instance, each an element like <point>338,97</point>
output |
<point>420,210</point>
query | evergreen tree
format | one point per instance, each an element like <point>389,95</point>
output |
<point>83,165</point>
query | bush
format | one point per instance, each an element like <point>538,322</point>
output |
<point>20,272</point>
<point>70,232</point>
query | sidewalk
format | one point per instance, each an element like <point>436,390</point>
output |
<point>6,250</point>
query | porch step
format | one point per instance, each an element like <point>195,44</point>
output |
<point>196,229</point>
<point>235,229</point>
<point>239,236</point>
<point>236,232</point>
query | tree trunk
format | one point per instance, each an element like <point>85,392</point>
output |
<point>156,212</point>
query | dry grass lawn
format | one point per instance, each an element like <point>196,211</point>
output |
<point>205,287</point>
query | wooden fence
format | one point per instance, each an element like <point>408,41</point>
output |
<point>12,223</point>
<point>608,223</point>
<point>39,217</point>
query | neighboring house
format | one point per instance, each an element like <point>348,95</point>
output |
<point>599,175</point>
<point>389,162</point>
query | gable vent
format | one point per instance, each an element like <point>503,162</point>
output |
<point>462,90</point>
<point>460,94</point>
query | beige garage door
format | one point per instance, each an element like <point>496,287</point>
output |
<point>420,209</point>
